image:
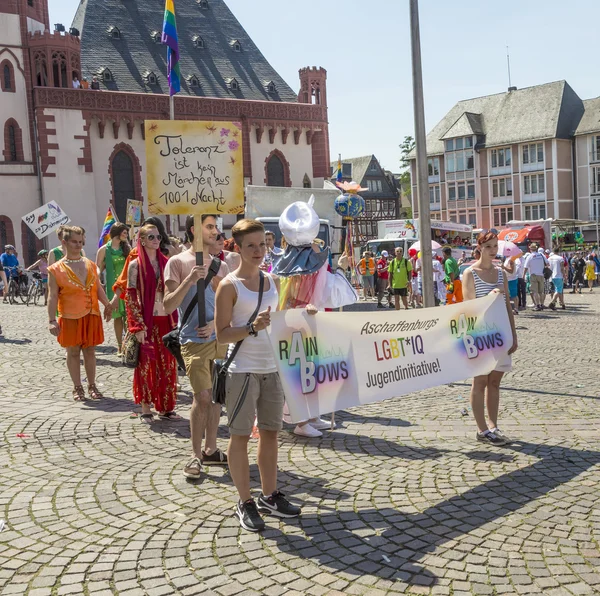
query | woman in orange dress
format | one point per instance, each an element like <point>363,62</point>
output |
<point>74,290</point>
<point>155,377</point>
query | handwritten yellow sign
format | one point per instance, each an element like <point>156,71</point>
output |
<point>194,167</point>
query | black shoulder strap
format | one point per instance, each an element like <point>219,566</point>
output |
<point>215,265</point>
<point>238,345</point>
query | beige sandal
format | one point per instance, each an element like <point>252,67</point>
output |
<point>78,393</point>
<point>94,392</point>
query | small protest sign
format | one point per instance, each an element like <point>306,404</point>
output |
<point>44,220</point>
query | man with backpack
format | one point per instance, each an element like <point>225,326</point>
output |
<point>198,344</point>
<point>399,271</point>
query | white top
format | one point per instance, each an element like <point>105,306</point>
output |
<point>482,287</point>
<point>419,266</point>
<point>520,265</point>
<point>515,274</point>
<point>438,271</point>
<point>556,264</point>
<point>535,263</point>
<point>254,355</point>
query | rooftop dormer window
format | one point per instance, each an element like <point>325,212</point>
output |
<point>151,78</point>
<point>270,87</point>
<point>233,85</point>
<point>107,75</point>
<point>114,32</point>
<point>155,35</point>
<point>236,46</point>
<point>193,81</point>
<point>203,4</point>
<point>198,42</point>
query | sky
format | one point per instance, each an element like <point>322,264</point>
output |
<point>365,47</point>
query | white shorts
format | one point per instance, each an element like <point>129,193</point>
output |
<point>415,286</point>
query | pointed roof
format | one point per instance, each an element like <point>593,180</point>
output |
<point>468,124</point>
<point>548,111</point>
<point>591,118</point>
<point>136,52</point>
<point>360,165</point>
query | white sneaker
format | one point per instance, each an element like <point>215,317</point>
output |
<point>307,431</point>
<point>320,424</point>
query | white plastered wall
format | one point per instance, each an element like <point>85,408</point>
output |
<point>298,156</point>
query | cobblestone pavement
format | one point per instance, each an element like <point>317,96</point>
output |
<point>399,499</point>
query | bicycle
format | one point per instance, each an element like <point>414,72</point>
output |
<point>37,289</point>
<point>17,285</point>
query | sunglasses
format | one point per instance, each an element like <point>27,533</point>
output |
<point>154,237</point>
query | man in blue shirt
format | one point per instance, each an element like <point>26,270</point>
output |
<point>10,265</point>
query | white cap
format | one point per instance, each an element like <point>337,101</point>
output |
<point>541,250</point>
<point>384,253</point>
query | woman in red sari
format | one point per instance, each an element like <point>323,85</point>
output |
<point>155,377</point>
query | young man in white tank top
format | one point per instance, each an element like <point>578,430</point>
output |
<point>253,384</point>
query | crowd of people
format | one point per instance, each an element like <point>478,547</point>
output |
<point>149,289</point>
<point>538,273</point>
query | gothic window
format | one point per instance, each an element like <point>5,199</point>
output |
<point>30,245</point>
<point>275,172</point>
<point>59,69</point>
<point>41,70</point>
<point>13,141</point>
<point>8,83</point>
<point>7,235</point>
<point>123,181</point>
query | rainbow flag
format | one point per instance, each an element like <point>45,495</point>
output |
<point>339,171</point>
<point>109,221</point>
<point>169,38</point>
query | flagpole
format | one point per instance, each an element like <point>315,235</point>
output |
<point>172,107</point>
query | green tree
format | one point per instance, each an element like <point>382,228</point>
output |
<point>406,148</point>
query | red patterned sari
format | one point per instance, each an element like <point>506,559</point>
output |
<point>155,377</point>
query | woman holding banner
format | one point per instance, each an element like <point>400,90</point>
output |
<point>155,377</point>
<point>479,280</point>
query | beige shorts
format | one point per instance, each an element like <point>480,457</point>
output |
<point>198,360</point>
<point>252,395</point>
<point>536,283</point>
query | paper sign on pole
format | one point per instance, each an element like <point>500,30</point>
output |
<point>44,220</point>
<point>133,215</point>
<point>194,167</point>
<point>334,361</point>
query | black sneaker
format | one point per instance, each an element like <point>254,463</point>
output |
<point>490,438</point>
<point>249,517</point>
<point>552,306</point>
<point>379,305</point>
<point>391,306</point>
<point>563,306</point>
<point>277,505</point>
<point>217,458</point>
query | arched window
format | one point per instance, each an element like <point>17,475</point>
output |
<point>7,234</point>
<point>8,79</point>
<point>59,69</point>
<point>126,179</point>
<point>41,69</point>
<point>277,170</point>
<point>13,141</point>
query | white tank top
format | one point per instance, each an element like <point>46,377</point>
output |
<point>254,355</point>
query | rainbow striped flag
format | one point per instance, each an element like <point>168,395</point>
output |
<point>109,221</point>
<point>339,171</point>
<point>169,38</point>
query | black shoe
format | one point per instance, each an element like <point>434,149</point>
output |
<point>563,307</point>
<point>391,305</point>
<point>379,305</point>
<point>277,505</point>
<point>249,517</point>
<point>217,458</point>
<point>490,438</point>
<point>551,306</point>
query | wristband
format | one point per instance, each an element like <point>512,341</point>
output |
<point>50,322</point>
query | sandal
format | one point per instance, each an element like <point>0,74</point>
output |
<point>169,416</point>
<point>94,392</point>
<point>78,393</point>
<point>146,418</point>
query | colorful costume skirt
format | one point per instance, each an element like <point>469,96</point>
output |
<point>85,332</point>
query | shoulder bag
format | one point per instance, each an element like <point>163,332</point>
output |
<point>171,340</point>
<point>220,367</point>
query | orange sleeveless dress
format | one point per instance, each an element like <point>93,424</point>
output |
<point>79,317</point>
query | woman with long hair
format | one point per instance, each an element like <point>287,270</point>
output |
<point>479,280</point>
<point>111,257</point>
<point>155,377</point>
<point>166,248</point>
